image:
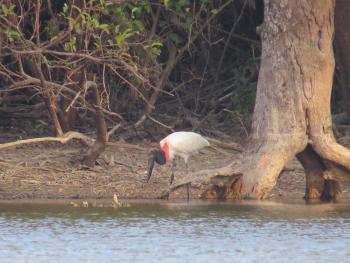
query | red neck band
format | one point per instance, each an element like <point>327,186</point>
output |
<point>165,149</point>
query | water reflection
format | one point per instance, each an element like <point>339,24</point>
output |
<point>176,232</point>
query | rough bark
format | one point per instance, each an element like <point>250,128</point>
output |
<point>292,114</point>
<point>342,49</point>
<point>293,98</point>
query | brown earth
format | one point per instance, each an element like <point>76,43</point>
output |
<point>51,171</point>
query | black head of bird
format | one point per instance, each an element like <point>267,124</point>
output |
<point>155,155</point>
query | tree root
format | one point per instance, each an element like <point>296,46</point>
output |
<point>330,150</point>
<point>216,178</point>
<point>264,161</point>
<point>63,139</point>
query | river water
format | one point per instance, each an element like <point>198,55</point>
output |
<point>176,232</point>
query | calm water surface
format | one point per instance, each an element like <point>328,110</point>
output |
<point>176,232</point>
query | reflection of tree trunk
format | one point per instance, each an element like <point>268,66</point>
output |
<point>342,49</point>
<point>293,97</point>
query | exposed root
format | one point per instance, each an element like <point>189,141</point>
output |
<point>336,172</point>
<point>214,178</point>
<point>330,150</point>
<point>264,162</point>
<point>63,139</point>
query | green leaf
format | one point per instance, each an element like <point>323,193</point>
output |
<point>117,28</point>
<point>139,25</point>
<point>135,12</point>
<point>120,40</point>
<point>215,11</point>
<point>77,28</point>
<point>128,33</point>
<point>65,8</point>
<point>157,44</point>
<point>97,45</point>
<point>105,28</point>
<point>5,10</point>
<point>166,3</point>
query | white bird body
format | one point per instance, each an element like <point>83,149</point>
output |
<point>183,144</point>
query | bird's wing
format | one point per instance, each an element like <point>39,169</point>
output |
<point>186,142</point>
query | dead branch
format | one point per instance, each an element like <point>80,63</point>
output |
<point>113,130</point>
<point>63,140</point>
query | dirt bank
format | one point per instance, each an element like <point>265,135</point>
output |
<point>51,171</point>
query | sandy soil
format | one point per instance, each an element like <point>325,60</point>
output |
<point>51,171</point>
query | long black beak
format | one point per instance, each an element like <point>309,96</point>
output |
<point>150,167</point>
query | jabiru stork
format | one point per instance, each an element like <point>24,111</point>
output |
<point>178,144</point>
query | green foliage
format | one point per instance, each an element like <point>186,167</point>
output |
<point>9,31</point>
<point>7,10</point>
<point>10,34</point>
<point>70,44</point>
<point>113,25</point>
<point>126,46</point>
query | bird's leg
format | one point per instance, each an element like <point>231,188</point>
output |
<point>173,168</point>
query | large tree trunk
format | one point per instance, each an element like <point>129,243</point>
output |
<point>342,48</point>
<point>292,107</point>
<point>292,114</point>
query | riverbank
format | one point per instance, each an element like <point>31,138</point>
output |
<point>52,171</point>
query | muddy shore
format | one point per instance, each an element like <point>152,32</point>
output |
<point>52,171</point>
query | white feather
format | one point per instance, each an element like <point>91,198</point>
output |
<point>184,144</point>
